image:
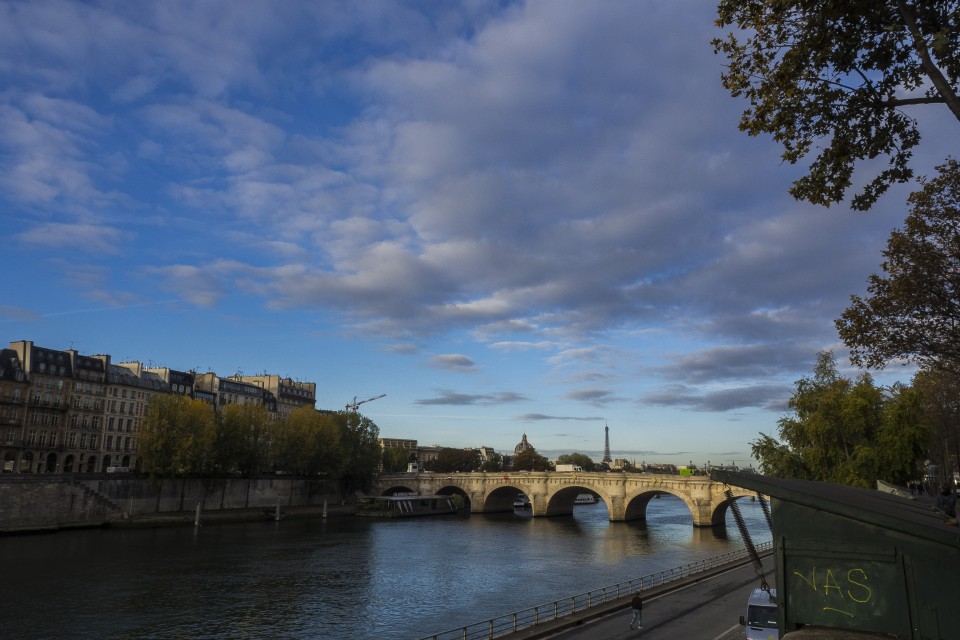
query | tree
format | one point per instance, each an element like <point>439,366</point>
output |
<point>846,431</point>
<point>584,461</point>
<point>451,460</point>
<point>360,450</point>
<point>493,463</point>
<point>913,311</point>
<point>308,443</point>
<point>243,439</point>
<point>529,460</point>
<point>839,75</point>
<point>940,391</point>
<point>177,436</point>
<point>394,459</point>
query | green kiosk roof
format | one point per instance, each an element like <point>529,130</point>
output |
<point>858,560</point>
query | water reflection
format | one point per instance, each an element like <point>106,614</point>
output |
<point>339,578</point>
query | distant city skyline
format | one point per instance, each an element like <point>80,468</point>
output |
<point>509,218</point>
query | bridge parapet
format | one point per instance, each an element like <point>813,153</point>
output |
<point>553,493</point>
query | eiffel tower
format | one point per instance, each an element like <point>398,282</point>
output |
<point>606,445</point>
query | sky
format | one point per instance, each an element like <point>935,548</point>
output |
<point>511,218</point>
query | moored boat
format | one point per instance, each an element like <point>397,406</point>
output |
<point>521,502</point>
<point>405,506</point>
<point>585,498</point>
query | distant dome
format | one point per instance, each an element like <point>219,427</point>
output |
<point>523,446</point>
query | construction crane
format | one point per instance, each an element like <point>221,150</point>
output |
<point>353,405</point>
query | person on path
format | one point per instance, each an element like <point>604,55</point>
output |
<point>637,605</point>
<point>947,501</point>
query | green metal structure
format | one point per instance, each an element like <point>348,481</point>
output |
<point>853,560</point>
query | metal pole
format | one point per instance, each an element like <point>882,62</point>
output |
<point>196,518</point>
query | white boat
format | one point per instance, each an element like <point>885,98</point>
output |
<point>521,502</point>
<point>585,498</point>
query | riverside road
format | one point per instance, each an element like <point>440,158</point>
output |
<point>707,609</point>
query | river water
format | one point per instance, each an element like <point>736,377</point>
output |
<point>340,578</point>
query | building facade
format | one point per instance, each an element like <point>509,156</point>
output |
<point>63,412</point>
<point>290,394</point>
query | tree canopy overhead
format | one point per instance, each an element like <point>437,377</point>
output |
<point>846,431</point>
<point>912,312</point>
<point>837,76</point>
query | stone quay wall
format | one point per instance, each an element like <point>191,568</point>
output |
<point>57,501</point>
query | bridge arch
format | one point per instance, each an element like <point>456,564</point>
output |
<point>636,505</point>
<point>719,515</point>
<point>501,499</point>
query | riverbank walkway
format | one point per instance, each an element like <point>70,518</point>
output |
<point>708,608</point>
<point>693,602</point>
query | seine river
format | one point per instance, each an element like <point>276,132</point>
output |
<point>341,578</point>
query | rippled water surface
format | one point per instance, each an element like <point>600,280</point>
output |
<point>349,578</point>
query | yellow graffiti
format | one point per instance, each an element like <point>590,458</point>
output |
<point>868,590</point>
<point>856,587</point>
<point>831,583</point>
<point>813,578</point>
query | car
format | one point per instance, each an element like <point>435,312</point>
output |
<point>761,618</point>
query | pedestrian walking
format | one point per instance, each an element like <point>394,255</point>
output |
<point>637,606</point>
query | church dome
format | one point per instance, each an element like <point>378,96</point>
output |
<point>523,446</point>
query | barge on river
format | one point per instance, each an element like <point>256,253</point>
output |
<point>405,506</point>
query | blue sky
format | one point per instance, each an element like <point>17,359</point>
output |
<point>509,217</point>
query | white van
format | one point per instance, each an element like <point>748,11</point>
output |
<point>761,618</point>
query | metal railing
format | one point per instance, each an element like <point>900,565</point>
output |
<point>524,618</point>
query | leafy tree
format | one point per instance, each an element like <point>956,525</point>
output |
<point>530,460</point>
<point>308,442</point>
<point>584,461</point>
<point>360,450</point>
<point>913,311</point>
<point>493,463</point>
<point>177,436</point>
<point>394,459</point>
<point>449,460</point>
<point>940,391</point>
<point>243,439</point>
<point>838,75</point>
<point>845,431</point>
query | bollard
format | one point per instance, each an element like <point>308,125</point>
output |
<point>196,519</point>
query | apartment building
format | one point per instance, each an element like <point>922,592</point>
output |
<point>234,390</point>
<point>14,390</point>
<point>290,394</point>
<point>63,412</point>
<point>130,388</point>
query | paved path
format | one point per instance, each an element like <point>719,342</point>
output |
<point>706,610</point>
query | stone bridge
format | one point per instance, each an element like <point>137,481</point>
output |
<point>552,493</point>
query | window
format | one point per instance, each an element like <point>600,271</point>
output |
<point>10,435</point>
<point>83,440</point>
<point>93,441</point>
<point>72,439</point>
<point>32,438</point>
<point>110,423</point>
<point>109,442</point>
